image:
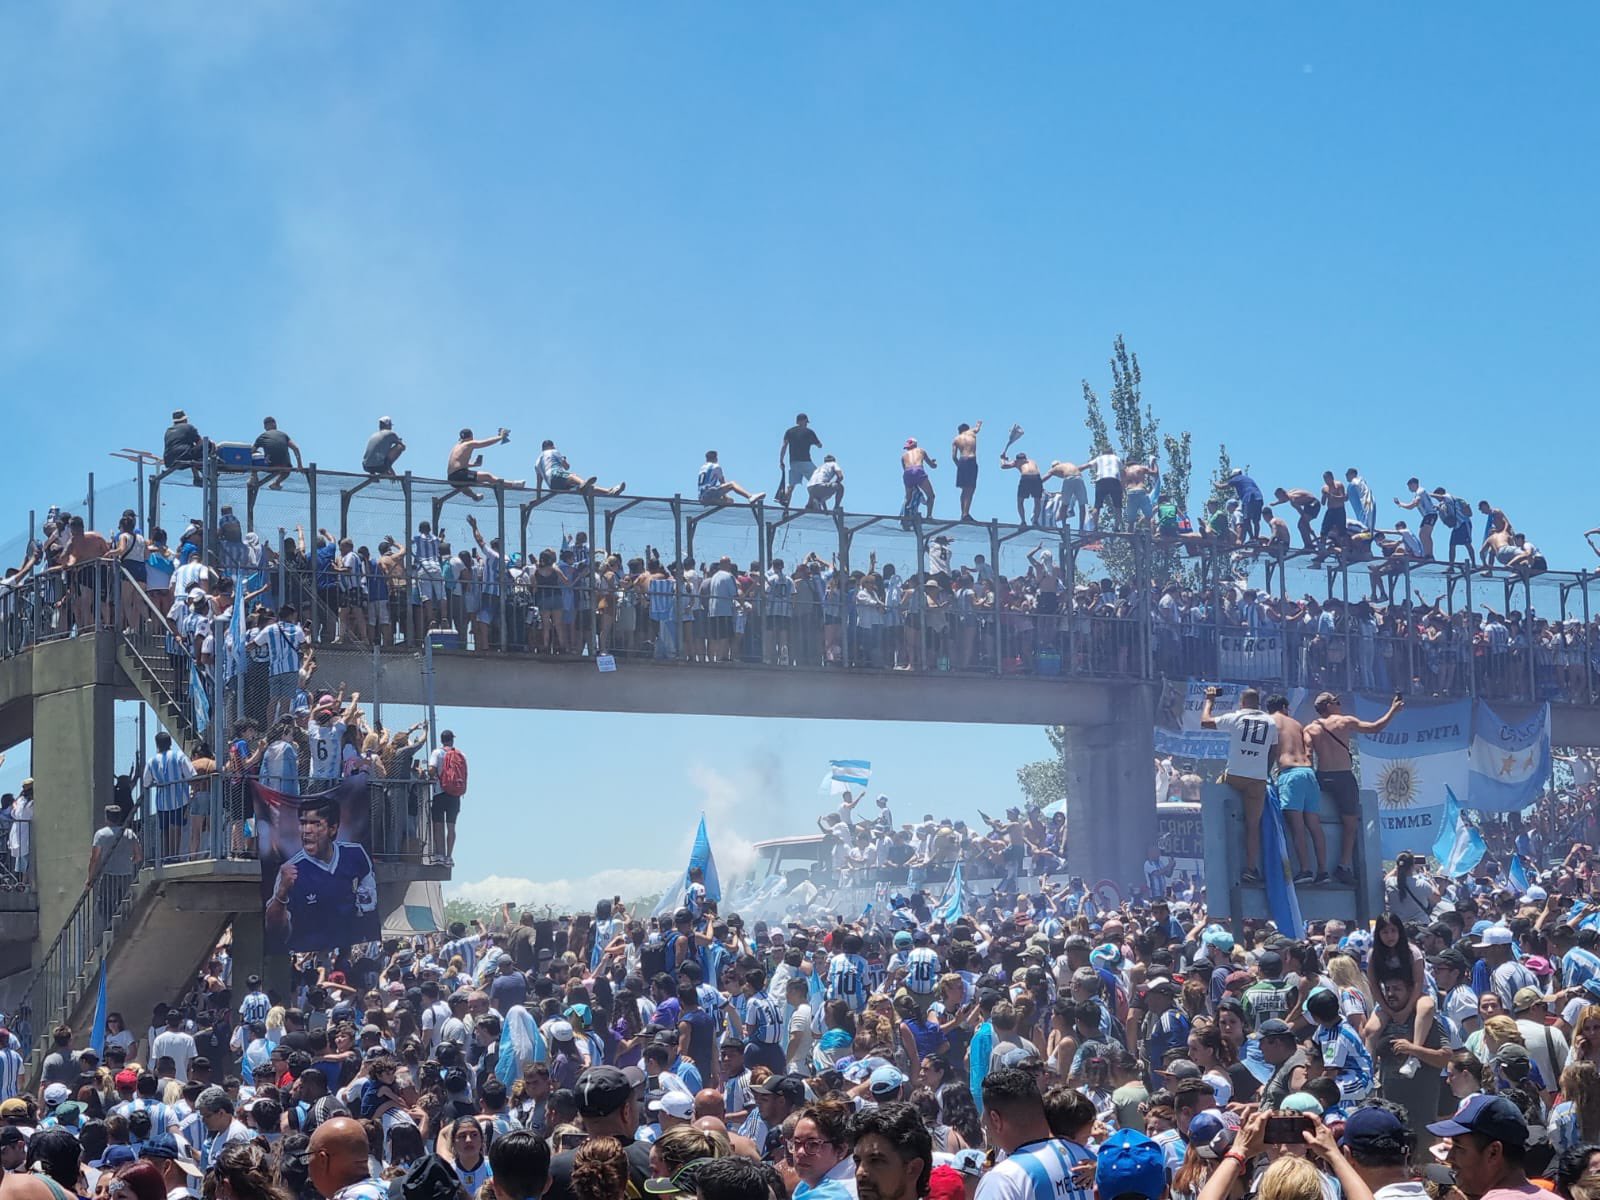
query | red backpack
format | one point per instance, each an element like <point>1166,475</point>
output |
<point>453,772</point>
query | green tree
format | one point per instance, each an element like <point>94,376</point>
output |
<point>1045,781</point>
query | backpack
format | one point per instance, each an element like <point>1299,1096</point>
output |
<point>453,773</point>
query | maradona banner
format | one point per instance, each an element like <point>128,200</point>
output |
<point>318,890</point>
<point>1419,757</point>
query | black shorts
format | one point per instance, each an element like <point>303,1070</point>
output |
<point>1310,511</point>
<point>445,808</point>
<point>1342,789</point>
<point>1333,521</point>
<point>463,475</point>
<point>1029,486</point>
<point>1461,534</point>
<point>720,628</point>
<point>1108,491</point>
<point>966,472</point>
<point>562,483</point>
<point>1430,520</point>
<point>1046,603</point>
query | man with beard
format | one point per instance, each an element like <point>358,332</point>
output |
<point>894,1153</point>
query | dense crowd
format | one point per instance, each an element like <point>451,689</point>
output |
<point>929,1051</point>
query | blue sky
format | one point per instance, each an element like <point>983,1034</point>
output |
<point>1354,237</point>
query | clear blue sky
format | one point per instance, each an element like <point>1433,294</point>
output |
<point>1361,236</point>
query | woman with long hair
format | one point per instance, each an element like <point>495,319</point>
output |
<point>463,1143</point>
<point>242,1172</point>
<point>137,1181</point>
<point>1213,1054</point>
<point>1586,1036</point>
<point>1354,998</point>
<point>677,1148</point>
<point>945,1139</point>
<point>600,1170</point>
<point>1464,1076</point>
<point>1234,1028</point>
<point>1394,955</point>
<point>961,1112</point>
<point>1062,1044</point>
<point>1576,1120</point>
<point>1577,1173</point>
<point>838,1035</point>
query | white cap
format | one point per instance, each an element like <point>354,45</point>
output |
<point>675,1104</point>
<point>1535,895</point>
<point>561,1031</point>
<point>1495,935</point>
<point>57,1093</point>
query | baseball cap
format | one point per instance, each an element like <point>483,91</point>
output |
<point>1164,987</point>
<point>560,1031</point>
<point>1211,1132</point>
<point>1372,1129</point>
<point>10,1135</point>
<point>791,1087</point>
<point>1270,964</point>
<point>117,1156</point>
<point>1526,998</point>
<point>1494,1117</point>
<point>57,1093</point>
<point>902,939</point>
<point>674,1103</point>
<point>13,1108</point>
<point>1130,1164</point>
<point>1182,1068</point>
<point>1273,1028</point>
<point>127,1079</point>
<point>1302,1102</point>
<point>1453,959</point>
<point>1535,895</point>
<point>886,1079</point>
<point>602,1091</point>
<point>1218,937</point>
<point>1494,935</point>
<point>969,1162</point>
<point>164,1145</point>
<point>944,1183</point>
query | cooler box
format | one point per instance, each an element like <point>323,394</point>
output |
<point>237,455</point>
<point>1047,662</point>
<point>444,639</point>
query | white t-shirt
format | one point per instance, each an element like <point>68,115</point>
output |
<point>325,757</point>
<point>1251,736</point>
<point>179,1046</point>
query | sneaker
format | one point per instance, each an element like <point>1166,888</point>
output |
<point>1251,878</point>
<point>1321,879</point>
<point>1304,877</point>
<point>1345,876</point>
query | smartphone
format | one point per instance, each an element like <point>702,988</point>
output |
<point>1286,1131</point>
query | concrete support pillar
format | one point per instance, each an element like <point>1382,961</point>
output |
<point>1111,807</point>
<point>73,773</point>
<point>249,957</point>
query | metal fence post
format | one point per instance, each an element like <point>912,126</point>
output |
<point>842,569</point>
<point>408,562</point>
<point>999,577</point>
<point>920,599</point>
<point>1588,666</point>
<point>1472,661</point>
<point>502,569</point>
<point>677,580</point>
<point>313,544</point>
<point>91,500</point>
<point>593,581</point>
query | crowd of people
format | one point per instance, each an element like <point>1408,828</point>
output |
<point>1002,1046</point>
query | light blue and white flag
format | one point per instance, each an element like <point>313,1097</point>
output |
<point>1283,904</point>
<point>702,857</point>
<point>953,907</point>
<point>847,775</point>
<point>97,1032</point>
<point>1459,846</point>
<point>1517,875</point>
<point>1510,761</point>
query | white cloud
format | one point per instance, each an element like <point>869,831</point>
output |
<point>570,895</point>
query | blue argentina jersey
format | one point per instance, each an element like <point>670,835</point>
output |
<point>283,641</point>
<point>254,1007</point>
<point>763,1022</point>
<point>330,899</point>
<point>1578,966</point>
<point>10,1073</point>
<point>1344,1054</point>
<point>847,980</point>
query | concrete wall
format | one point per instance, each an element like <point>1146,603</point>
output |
<point>1111,811</point>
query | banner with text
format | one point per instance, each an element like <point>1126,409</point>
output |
<point>1412,765</point>
<point>1250,656</point>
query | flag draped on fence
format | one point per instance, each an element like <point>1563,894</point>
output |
<point>1509,762</point>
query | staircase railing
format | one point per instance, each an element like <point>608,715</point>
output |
<point>72,957</point>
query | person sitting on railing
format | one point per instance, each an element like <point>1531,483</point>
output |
<point>182,445</point>
<point>383,448</point>
<point>460,467</point>
<point>274,447</point>
<point>552,472</point>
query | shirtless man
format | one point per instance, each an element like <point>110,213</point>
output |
<point>1252,739</point>
<point>1306,505</point>
<point>1029,485</point>
<point>1139,483</point>
<point>83,548</point>
<point>460,468</point>
<point>1498,548</point>
<point>1298,794</point>
<point>1074,493</point>
<point>964,450</point>
<point>1277,543</point>
<point>1498,522</point>
<point>1328,738</point>
<point>915,463</point>
<point>1334,498</point>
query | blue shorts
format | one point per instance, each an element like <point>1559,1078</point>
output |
<point>1298,790</point>
<point>799,475</point>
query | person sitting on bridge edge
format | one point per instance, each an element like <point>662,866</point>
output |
<point>461,466</point>
<point>275,446</point>
<point>383,448</point>
<point>552,472</point>
<point>714,487</point>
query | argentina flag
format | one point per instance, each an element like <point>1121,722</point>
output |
<point>1459,846</point>
<point>1508,761</point>
<point>847,775</point>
